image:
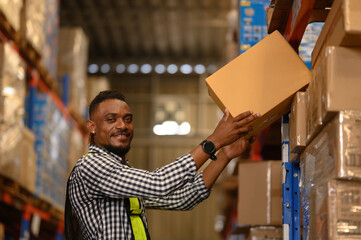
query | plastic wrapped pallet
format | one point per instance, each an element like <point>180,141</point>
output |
<point>334,153</point>
<point>33,19</point>
<point>337,214</point>
<point>12,9</point>
<point>12,100</point>
<point>72,67</point>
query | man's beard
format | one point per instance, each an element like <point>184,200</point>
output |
<point>120,151</point>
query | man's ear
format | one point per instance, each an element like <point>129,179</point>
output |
<point>90,125</point>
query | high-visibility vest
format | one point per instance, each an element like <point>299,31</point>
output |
<point>136,219</point>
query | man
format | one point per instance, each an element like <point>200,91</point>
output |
<point>108,197</point>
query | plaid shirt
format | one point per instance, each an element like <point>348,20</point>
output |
<point>100,184</point>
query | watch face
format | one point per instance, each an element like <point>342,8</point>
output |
<point>208,147</point>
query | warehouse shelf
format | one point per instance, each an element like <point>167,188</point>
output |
<point>39,75</point>
<point>291,18</point>
<point>20,203</point>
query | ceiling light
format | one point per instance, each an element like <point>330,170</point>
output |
<point>146,68</point>
<point>186,69</point>
<point>160,68</point>
<point>172,69</point>
<point>211,68</point>
<point>93,68</point>
<point>105,68</point>
<point>200,69</point>
<point>120,68</point>
<point>133,68</point>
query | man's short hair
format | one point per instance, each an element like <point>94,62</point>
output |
<point>102,96</point>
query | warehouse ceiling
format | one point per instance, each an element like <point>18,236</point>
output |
<point>152,31</point>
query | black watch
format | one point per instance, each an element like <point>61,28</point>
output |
<point>209,148</point>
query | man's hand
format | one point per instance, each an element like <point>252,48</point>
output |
<point>231,129</point>
<point>236,148</point>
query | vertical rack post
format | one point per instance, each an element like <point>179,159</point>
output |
<point>290,188</point>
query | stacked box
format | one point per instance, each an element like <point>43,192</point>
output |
<point>297,123</point>
<point>96,84</point>
<point>338,74</point>
<point>335,153</point>
<point>12,100</point>
<point>49,53</point>
<point>52,148</point>
<point>260,193</point>
<point>28,160</point>
<point>338,214</point>
<point>77,148</point>
<point>12,9</point>
<point>342,27</point>
<point>33,18</point>
<point>72,62</point>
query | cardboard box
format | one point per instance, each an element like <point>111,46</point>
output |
<point>338,75</point>
<point>338,214</point>
<point>260,193</point>
<point>313,110</point>
<point>265,233</point>
<point>263,79</point>
<point>336,150</point>
<point>28,160</point>
<point>298,123</point>
<point>342,27</point>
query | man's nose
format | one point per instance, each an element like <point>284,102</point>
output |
<point>120,124</point>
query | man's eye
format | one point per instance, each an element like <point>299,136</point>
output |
<point>128,119</point>
<point>110,119</point>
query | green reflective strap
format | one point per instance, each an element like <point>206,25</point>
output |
<point>136,220</point>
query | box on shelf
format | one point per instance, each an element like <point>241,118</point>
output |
<point>49,52</point>
<point>72,68</point>
<point>336,150</point>
<point>96,84</point>
<point>28,160</point>
<point>313,110</point>
<point>342,27</point>
<point>338,214</point>
<point>33,17</point>
<point>11,9</point>
<point>260,193</point>
<point>338,74</point>
<point>263,79</point>
<point>257,233</point>
<point>297,123</point>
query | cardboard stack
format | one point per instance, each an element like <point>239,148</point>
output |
<point>331,160</point>
<point>260,193</point>
<point>12,9</point>
<point>72,68</point>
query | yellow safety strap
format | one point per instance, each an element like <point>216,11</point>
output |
<point>136,220</point>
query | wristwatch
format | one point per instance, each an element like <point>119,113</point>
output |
<point>209,148</point>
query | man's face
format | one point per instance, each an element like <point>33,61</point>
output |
<point>113,123</point>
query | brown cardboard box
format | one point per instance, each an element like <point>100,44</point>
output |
<point>338,75</point>
<point>263,79</point>
<point>260,193</point>
<point>338,214</point>
<point>336,150</point>
<point>298,123</point>
<point>342,27</point>
<point>28,160</point>
<point>265,233</point>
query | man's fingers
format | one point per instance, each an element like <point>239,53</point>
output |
<point>243,115</point>
<point>226,114</point>
<point>249,119</point>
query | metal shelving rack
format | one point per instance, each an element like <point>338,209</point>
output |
<point>291,18</point>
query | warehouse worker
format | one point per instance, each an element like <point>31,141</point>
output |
<point>108,197</point>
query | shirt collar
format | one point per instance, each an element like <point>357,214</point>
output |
<point>96,149</point>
